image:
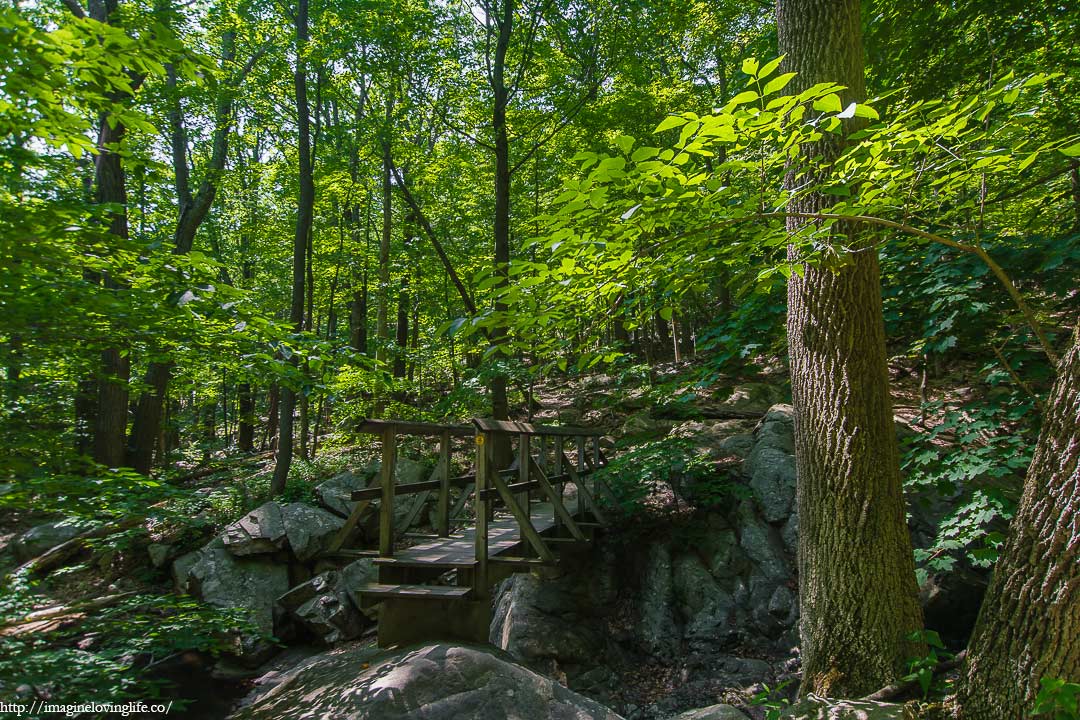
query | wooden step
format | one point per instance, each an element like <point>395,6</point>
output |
<point>449,562</point>
<point>346,553</point>
<point>441,592</point>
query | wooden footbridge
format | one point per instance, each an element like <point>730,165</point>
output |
<point>508,520</point>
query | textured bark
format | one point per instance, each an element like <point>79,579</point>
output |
<point>304,209</point>
<point>382,299</point>
<point>110,423</point>
<point>504,22</point>
<point>857,586</point>
<point>1029,625</point>
<point>245,409</point>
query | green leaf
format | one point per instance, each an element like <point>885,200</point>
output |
<point>625,143</point>
<point>1071,151</point>
<point>750,66</point>
<point>744,97</point>
<point>671,121</point>
<point>829,103</point>
<point>644,153</point>
<point>777,83</point>
<point>770,67</point>
<point>666,313</point>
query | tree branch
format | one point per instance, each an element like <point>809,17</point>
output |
<point>976,250</point>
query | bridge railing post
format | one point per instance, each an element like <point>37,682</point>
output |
<point>557,455</point>
<point>524,498</point>
<point>483,482</point>
<point>386,506</point>
<point>443,509</point>
<point>583,503</point>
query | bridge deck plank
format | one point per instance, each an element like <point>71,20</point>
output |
<point>459,551</point>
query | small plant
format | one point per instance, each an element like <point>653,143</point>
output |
<point>1057,700</point>
<point>772,700</point>
<point>922,669</point>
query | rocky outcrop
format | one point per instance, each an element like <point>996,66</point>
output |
<point>259,532</point>
<point>41,538</point>
<point>302,529</point>
<point>713,712</point>
<point>323,607</point>
<point>770,466</point>
<point>309,529</point>
<point>335,494</point>
<point>218,577</point>
<point>846,710</point>
<point>751,398</point>
<point>437,682</point>
<point>536,625</point>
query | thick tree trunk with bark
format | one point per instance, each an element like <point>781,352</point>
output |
<point>110,424</point>
<point>1029,625</point>
<point>304,208</point>
<point>857,588</point>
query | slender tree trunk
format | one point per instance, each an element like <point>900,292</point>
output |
<point>857,588</point>
<point>245,409</point>
<point>273,414</point>
<point>401,339</point>
<point>304,208</point>
<point>500,406</point>
<point>382,300</point>
<point>110,424</point>
<point>1029,624</point>
<point>193,211</point>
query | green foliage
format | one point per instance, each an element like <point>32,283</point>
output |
<point>113,651</point>
<point>772,699</point>
<point>102,494</point>
<point>1057,700</point>
<point>637,473</point>
<point>975,458</point>
<point>922,669</point>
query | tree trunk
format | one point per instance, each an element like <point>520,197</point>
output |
<point>245,414</point>
<point>146,427</point>
<point>304,209</point>
<point>500,406</point>
<point>857,588</point>
<point>1029,624</point>
<point>110,425</point>
<point>382,300</point>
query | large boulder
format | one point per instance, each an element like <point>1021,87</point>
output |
<point>436,682</point>
<point>754,398</point>
<point>763,545</point>
<point>720,439</point>
<point>705,606</point>
<point>538,622</point>
<point>219,578</point>
<point>770,466</point>
<point>260,531</point>
<point>322,606</point>
<point>713,712</point>
<point>951,602</point>
<point>42,538</point>
<point>335,494</point>
<point>357,574</point>
<point>308,529</point>
<point>657,629</point>
<point>824,709</point>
